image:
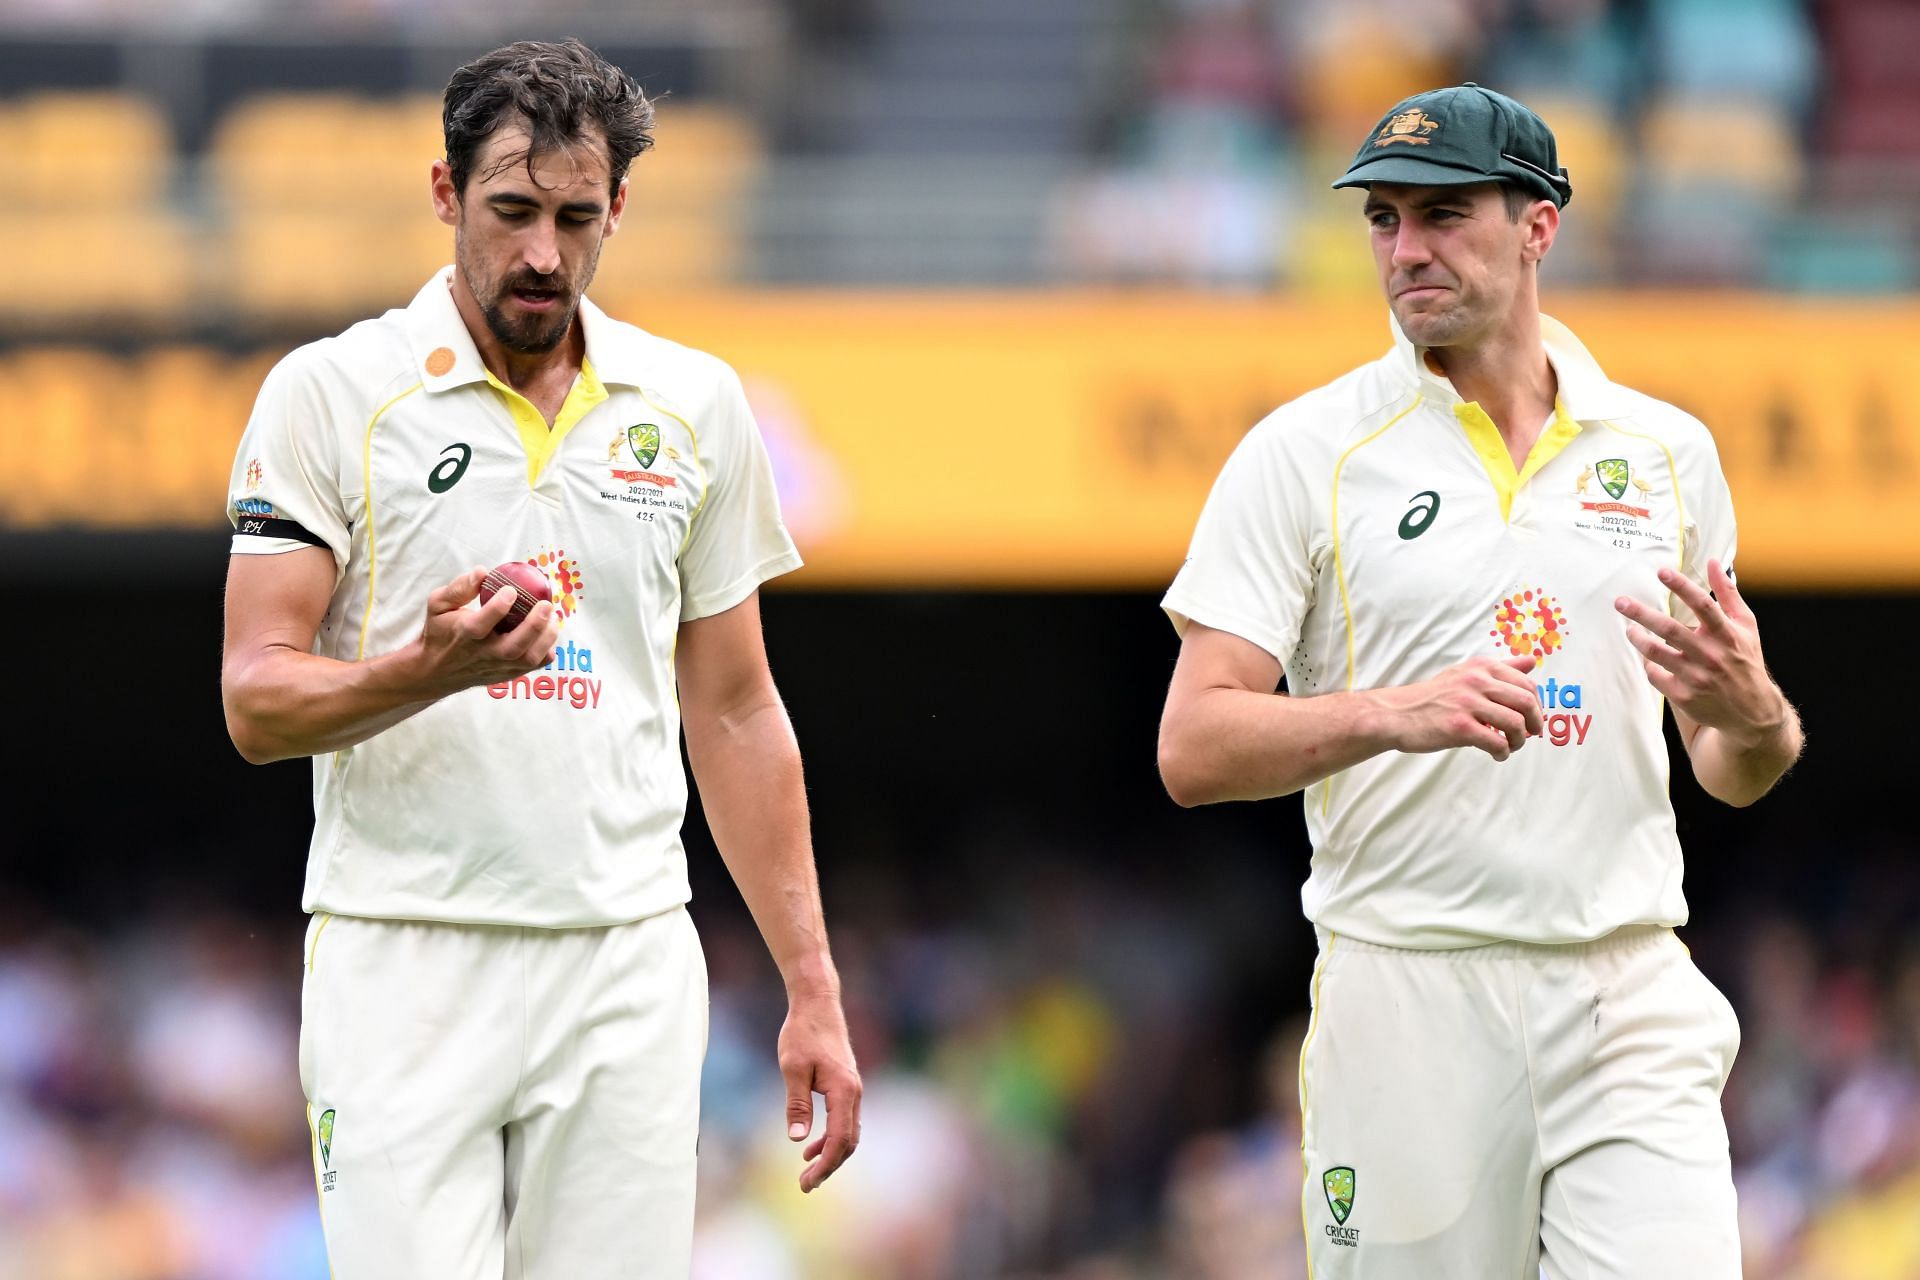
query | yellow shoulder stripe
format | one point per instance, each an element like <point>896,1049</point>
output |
<point>1340,564</point>
<point>366,479</point>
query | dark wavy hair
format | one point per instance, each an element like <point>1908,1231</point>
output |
<point>559,91</point>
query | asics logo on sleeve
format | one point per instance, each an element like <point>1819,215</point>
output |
<point>1426,508</point>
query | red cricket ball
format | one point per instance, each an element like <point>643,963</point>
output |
<point>526,580</point>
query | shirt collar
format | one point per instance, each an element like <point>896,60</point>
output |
<point>1585,391</point>
<point>444,354</point>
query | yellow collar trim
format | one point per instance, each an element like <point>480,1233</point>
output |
<point>1486,440</point>
<point>540,441</point>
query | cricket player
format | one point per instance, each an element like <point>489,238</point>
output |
<point>505,1004</point>
<point>1483,568</point>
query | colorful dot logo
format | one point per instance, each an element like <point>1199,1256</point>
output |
<point>564,578</point>
<point>256,475</point>
<point>1529,623</point>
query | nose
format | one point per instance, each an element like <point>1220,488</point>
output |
<point>542,249</point>
<point>1409,244</point>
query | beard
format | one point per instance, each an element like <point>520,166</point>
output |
<point>526,333</point>
<point>529,334</point>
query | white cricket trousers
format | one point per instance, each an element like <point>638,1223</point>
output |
<point>489,1102</point>
<point>1499,1111</point>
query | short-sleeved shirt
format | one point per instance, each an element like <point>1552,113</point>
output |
<point>556,799</point>
<point>1373,533</point>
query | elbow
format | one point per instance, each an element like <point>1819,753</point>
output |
<point>1180,774</point>
<point>250,738</point>
<point>249,741</point>
<point>1737,791</point>
<point>1735,796</point>
<point>257,755</point>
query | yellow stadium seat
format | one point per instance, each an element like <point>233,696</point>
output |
<point>332,264</point>
<point>657,248</point>
<point>1746,144</point>
<point>306,149</point>
<point>1330,255</point>
<point>398,141</point>
<point>1593,151</point>
<point>328,212</point>
<point>1360,61</point>
<point>51,471</point>
<point>700,153</point>
<point>91,149</point>
<point>129,266</point>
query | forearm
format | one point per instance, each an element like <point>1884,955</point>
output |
<point>1236,744</point>
<point>747,765</point>
<point>282,703</point>
<point>1740,767</point>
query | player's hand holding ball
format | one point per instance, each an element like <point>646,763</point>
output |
<point>506,634</point>
<point>528,586</point>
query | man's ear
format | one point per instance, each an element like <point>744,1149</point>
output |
<point>617,206</point>
<point>1542,223</point>
<point>446,197</point>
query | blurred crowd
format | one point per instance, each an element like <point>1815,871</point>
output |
<point>1741,143</point>
<point>1710,141</point>
<point>1052,1093</point>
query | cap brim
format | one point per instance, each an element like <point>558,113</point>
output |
<point>1414,171</point>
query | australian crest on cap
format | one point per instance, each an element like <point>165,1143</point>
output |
<point>1410,127</point>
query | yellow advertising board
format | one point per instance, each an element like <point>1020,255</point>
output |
<point>1069,440</point>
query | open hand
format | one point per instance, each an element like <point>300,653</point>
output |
<point>1712,673</point>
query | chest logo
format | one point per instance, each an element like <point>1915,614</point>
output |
<point>1426,509</point>
<point>644,439</point>
<point>1623,524</point>
<point>567,679</point>
<point>1613,473</point>
<point>1530,623</point>
<point>453,465</point>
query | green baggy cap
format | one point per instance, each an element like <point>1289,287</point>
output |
<point>1447,137</point>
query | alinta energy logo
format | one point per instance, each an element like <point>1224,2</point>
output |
<point>567,680</point>
<point>1530,623</point>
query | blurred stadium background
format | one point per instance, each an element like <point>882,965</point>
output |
<point>1006,280</point>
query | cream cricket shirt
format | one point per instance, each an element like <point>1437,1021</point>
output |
<point>1374,532</point>
<point>556,799</point>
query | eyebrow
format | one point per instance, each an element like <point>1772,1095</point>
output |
<point>523,200</point>
<point>1441,196</point>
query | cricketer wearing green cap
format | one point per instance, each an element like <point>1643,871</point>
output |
<point>1467,134</point>
<point>1479,570</point>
